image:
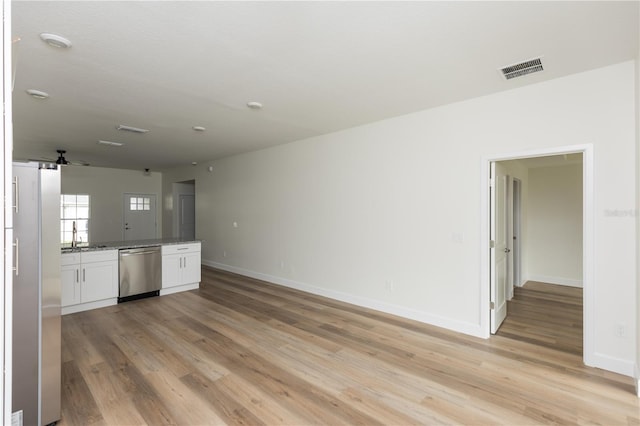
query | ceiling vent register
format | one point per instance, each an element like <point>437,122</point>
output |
<point>523,68</point>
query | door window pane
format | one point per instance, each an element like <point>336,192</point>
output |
<point>139,203</point>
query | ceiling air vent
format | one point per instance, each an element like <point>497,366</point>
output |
<point>523,68</point>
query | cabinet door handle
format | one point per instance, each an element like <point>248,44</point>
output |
<point>185,262</point>
<point>77,275</point>
<point>83,275</point>
<point>180,263</point>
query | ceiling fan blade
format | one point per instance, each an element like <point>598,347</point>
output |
<point>48,160</point>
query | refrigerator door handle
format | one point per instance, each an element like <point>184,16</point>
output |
<point>16,191</point>
<point>17,257</point>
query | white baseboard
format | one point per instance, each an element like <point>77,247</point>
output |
<point>177,289</point>
<point>609,363</point>
<point>637,380</point>
<point>408,313</point>
<point>569,282</point>
<point>89,305</point>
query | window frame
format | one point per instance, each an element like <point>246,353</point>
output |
<point>67,217</point>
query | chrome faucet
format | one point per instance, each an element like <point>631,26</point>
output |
<point>74,233</point>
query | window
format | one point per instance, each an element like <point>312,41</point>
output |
<point>74,208</point>
<point>139,203</point>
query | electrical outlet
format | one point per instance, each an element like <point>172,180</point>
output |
<point>224,253</point>
<point>389,286</point>
<point>282,264</point>
<point>620,330</point>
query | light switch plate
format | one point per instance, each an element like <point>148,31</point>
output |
<point>16,418</point>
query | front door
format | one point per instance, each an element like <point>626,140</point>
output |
<point>139,217</point>
<point>500,246</point>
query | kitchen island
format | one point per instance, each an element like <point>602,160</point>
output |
<point>90,273</point>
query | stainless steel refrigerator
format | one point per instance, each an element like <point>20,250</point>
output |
<point>36,294</point>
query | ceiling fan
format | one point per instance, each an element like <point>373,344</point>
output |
<point>63,161</point>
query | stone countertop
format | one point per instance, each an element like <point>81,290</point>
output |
<point>117,245</point>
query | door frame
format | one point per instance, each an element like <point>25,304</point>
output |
<point>588,242</point>
<point>516,232</point>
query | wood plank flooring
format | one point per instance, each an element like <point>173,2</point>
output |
<point>545,314</point>
<point>243,352</point>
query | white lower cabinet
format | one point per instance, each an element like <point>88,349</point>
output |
<point>180,267</point>
<point>89,280</point>
<point>70,279</point>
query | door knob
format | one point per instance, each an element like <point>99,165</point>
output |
<point>507,250</point>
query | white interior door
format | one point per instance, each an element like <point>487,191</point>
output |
<point>500,246</point>
<point>139,217</point>
<point>516,250</point>
<point>187,219</point>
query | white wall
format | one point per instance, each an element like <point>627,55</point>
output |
<point>396,204</point>
<point>106,188</point>
<point>554,224</point>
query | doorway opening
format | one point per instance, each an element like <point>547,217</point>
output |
<point>184,208</point>
<point>542,301</point>
<point>540,239</point>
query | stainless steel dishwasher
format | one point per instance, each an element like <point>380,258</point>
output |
<point>140,273</point>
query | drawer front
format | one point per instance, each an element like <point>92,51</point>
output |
<point>69,259</point>
<point>99,256</point>
<point>180,248</point>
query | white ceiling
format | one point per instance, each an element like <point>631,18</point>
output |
<point>317,67</point>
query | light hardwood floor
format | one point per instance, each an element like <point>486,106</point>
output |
<point>241,351</point>
<point>545,314</point>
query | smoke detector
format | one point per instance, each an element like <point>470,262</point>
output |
<point>523,68</point>
<point>37,94</point>
<point>55,40</point>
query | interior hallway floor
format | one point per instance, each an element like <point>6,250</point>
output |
<point>546,315</point>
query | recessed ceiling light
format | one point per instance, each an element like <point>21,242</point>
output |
<point>198,128</point>
<point>38,94</point>
<point>131,129</point>
<point>55,40</point>
<point>109,143</point>
<point>254,105</point>
<point>194,163</point>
